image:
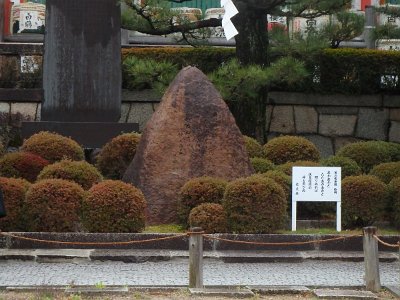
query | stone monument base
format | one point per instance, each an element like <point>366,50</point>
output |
<point>87,134</point>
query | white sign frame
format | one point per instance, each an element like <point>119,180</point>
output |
<point>317,184</point>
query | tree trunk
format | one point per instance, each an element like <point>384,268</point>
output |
<point>252,40</point>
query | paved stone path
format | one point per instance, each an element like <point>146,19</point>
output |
<point>175,272</point>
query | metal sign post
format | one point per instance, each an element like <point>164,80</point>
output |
<point>317,184</point>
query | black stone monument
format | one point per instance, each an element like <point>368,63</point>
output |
<point>82,71</point>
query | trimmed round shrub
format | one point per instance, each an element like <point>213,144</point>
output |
<point>198,191</point>
<point>394,199</point>
<point>115,157</point>
<point>253,147</point>
<point>22,165</point>
<point>53,147</point>
<point>282,179</point>
<point>14,191</point>
<point>211,217</point>
<point>114,206</point>
<point>290,148</point>
<point>386,171</point>
<point>364,199</point>
<point>287,167</point>
<point>261,165</point>
<point>255,205</point>
<point>349,166</point>
<point>54,205</point>
<point>394,150</point>
<point>368,154</point>
<point>80,172</point>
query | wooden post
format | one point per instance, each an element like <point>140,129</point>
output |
<point>369,27</point>
<point>2,19</point>
<point>371,260</point>
<point>196,258</point>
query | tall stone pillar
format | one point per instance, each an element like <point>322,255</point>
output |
<point>82,61</point>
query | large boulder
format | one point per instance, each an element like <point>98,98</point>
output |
<point>191,134</point>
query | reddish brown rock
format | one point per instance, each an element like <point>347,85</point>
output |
<point>191,134</point>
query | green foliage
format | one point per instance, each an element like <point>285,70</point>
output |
<point>115,156</point>
<point>79,172</point>
<point>290,148</point>
<point>369,154</point>
<point>261,165</point>
<point>198,191</point>
<point>253,147</point>
<point>53,205</point>
<point>211,217</point>
<point>255,205</point>
<point>394,201</point>
<point>53,147</point>
<point>287,167</point>
<point>386,31</point>
<point>349,166</point>
<point>207,59</point>
<point>22,165</point>
<point>386,171</point>
<point>139,74</point>
<point>364,200</point>
<point>282,179</point>
<point>114,206</point>
<point>14,191</point>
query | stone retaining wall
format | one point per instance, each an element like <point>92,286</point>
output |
<point>330,121</point>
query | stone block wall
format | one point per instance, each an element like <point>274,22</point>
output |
<point>329,121</point>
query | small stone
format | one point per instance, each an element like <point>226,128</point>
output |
<point>282,119</point>
<point>373,124</point>
<point>306,119</point>
<point>337,125</point>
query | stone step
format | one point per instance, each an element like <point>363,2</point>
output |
<point>344,294</point>
<point>221,292</point>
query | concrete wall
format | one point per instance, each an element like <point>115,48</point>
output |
<point>329,121</point>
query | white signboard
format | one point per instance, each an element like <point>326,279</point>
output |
<point>316,184</point>
<point>29,20</point>
<point>230,11</point>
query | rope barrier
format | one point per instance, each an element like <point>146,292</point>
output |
<point>387,244</point>
<point>280,244</point>
<point>92,243</point>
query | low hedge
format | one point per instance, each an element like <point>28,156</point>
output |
<point>386,171</point>
<point>22,165</point>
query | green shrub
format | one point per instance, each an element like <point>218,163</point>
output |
<point>207,59</point>
<point>140,74</point>
<point>290,148</point>
<point>211,217</point>
<point>255,205</point>
<point>394,201</point>
<point>53,147</point>
<point>115,157</point>
<point>114,206</point>
<point>386,171</point>
<point>253,147</point>
<point>349,166</point>
<point>261,165</point>
<point>79,172</point>
<point>22,165</point>
<point>54,205</point>
<point>364,199</point>
<point>287,167</point>
<point>198,191</point>
<point>368,154</point>
<point>284,180</point>
<point>394,151</point>
<point>14,191</point>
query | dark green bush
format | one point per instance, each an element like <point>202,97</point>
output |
<point>394,201</point>
<point>253,147</point>
<point>22,165</point>
<point>364,200</point>
<point>211,217</point>
<point>287,167</point>
<point>284,180</point>
<point>115,156</point>
<point>79,172</point>
<point>114,206</point>
<point>386,171</point>
<point>53,147</point>
<point>53,205</point>
<point>255,205</point>
<point>261,165</point>
<point>207,59</point>
<point>198,191</point>
<point>349,166</point>
<point>290,148</point>
<point>14,191</point>
<point>368,154</point>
